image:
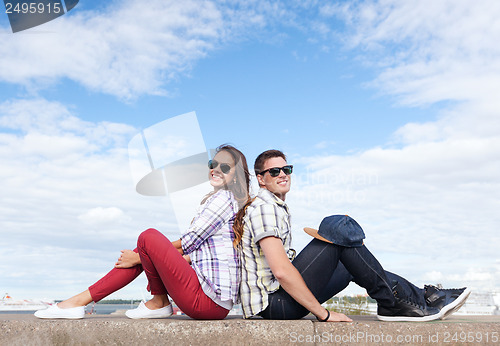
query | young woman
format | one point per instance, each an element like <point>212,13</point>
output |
<point>200,271</point>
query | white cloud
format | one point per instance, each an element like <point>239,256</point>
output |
<point>67,198</point>
<point>102,215</point>
<point>476,276</point>
<point>427,51</point>
<point>129,48</point>
<point>434,276</point>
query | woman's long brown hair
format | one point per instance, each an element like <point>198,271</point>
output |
<point>241,186</point>
<point>238,222</point>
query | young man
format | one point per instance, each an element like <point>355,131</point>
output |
<point>275,285</point>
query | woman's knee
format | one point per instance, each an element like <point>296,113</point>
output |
<point>145,236</point>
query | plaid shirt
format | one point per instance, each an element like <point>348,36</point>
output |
<point>267,216</point>
<point>209,243</point>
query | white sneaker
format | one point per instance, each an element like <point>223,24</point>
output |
<point>142,311</point>
<point>56,312</point>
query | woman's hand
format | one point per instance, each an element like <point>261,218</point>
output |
<point>178,245</point>
<point>128,259</point>
<point>187,258</point>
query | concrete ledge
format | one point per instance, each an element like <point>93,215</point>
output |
<point>365,330</point>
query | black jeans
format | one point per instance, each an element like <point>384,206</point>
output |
<point>327,269</point>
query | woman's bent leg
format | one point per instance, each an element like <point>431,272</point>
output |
<point>81,299</point>
<point>168,271</point>
<point>116,279</point>
<point>74,307</point>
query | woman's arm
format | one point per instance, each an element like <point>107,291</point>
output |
<point>178,245</point>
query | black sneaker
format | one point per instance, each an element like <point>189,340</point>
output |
<point>447,300</point>
<point>407,310</point>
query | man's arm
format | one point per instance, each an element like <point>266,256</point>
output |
<point>291,280</point>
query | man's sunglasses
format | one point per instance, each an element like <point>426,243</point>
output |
<point>275,171</point>
<point>224,167</point>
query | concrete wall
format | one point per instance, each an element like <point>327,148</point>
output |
<point>365,330</point>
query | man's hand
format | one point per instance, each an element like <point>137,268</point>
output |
<point>338,317</point>
<point>334,317</point>
<point>128,259</point>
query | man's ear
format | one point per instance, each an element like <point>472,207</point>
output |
<point>260,180</point>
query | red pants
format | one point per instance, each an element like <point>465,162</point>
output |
<point>167,272</point>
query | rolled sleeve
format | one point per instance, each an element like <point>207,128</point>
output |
<point>266,222</point>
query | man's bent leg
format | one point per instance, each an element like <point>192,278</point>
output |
<point>316,264</point>
<point>368,273</point>
<point>446,300</point>
<point>340,279</point>
<point>410,290</point>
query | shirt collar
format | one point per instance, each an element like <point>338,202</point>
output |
<point>270,197</point>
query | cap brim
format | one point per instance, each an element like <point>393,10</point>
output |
<point>314,233</point>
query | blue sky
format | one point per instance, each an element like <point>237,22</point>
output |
<point>388,111</point>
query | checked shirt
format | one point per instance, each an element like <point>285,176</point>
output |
<point>209,243</point>
<point>267,216</point>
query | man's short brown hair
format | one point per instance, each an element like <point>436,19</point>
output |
<point>263,157</point>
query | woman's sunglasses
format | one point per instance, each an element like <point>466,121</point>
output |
<point>224,167</point>
<point>275,171</point>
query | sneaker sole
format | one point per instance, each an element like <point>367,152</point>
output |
<point>455,305</point>
<point>148,317</point>
<point>60,318</point>
<point>43,314</point>
<point>409,318</point>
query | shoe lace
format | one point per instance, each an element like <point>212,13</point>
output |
<point>426,287</point>
<point>408,300</point>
